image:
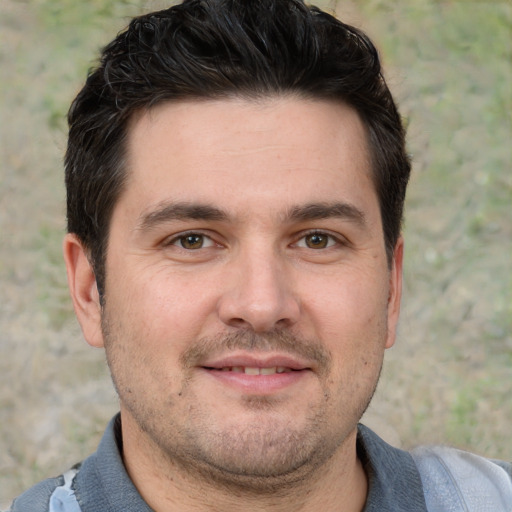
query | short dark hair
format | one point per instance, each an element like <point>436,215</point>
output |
<point>212,49</point>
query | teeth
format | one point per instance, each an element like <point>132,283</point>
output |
<point>256,371</point>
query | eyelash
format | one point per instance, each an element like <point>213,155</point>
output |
<point>332,240</point>
<point>182,236</point>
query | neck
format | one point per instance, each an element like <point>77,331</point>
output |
<point>168,486</point>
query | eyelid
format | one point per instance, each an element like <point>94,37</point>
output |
<point>173,240</point>
<point>338,239</point>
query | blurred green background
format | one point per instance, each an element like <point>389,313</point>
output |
<point>449,379</point>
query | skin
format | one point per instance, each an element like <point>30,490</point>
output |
<point>248,234</point>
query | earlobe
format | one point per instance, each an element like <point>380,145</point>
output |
<point>395,292</point>
<point>83,289</point>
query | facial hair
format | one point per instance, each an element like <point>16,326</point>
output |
<point>270,453</point>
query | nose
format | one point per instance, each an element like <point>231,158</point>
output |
<point>259,295</point>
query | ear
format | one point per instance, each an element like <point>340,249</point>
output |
<point>395,291</point>
<point>83,289</point>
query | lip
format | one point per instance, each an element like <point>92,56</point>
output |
<point>254,360</point>
<point>297,369</point>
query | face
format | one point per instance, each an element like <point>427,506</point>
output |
<point>248,295</point>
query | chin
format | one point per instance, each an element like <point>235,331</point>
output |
<point>262,455</point>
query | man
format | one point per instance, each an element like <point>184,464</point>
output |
<point>236,173</point>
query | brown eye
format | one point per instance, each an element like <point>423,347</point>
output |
<point>191,242</point>
<point>317,241</point>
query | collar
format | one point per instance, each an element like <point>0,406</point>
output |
<point>102,484</point>
<point>394,481</point>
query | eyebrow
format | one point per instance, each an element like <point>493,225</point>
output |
<point>166,212</point>
<point>318,211</point>
<point>180,211</point>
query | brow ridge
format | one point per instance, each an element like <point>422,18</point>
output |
<point>318,211</point>
<point>180,211</point>
<point>169,211</point>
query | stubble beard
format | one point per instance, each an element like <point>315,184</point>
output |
<point>270,455</point>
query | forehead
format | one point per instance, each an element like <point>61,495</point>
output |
<point>248,153</point>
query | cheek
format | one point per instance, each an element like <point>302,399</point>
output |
<point>349,308</point>
<point>142,345</point>
<point>165,310</point>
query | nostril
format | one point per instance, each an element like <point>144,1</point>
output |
<point>238,322</point>
<point>284,322</point>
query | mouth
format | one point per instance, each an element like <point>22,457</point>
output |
<point>253,370</point>
<point>253,363</point>
<point>257,374</point>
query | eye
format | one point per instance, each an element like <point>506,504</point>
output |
<point>192,241</point>
<point>317,240</point>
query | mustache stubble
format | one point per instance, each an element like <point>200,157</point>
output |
<point>279,339</point>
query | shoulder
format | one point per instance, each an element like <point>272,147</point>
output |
<point>37,498</point>
<point>51,495</point>
<point>458,480</point>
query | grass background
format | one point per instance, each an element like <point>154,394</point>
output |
<point>449,378</point>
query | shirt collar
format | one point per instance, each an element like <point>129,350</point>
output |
<point>394,482</point>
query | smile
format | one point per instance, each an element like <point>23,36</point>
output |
<point>251,379</point>
<point>248,370</point>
